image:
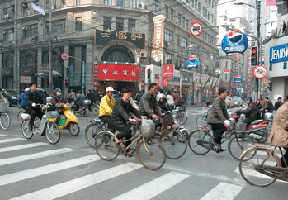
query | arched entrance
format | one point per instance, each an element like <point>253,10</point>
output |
<point>118,53</point>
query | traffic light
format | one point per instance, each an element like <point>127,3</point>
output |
<point>254,56</point>
<point>67,71</point>
<point>149,74</point>
<point>67,82</point>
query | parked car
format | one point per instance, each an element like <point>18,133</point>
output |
<point>238,102</point>
<point>229,102</point>
<point>12,96</point>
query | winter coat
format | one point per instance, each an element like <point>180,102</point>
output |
<point>251,111</point>
<point>218,112</point>
<point>33,97</point>
<point>278,105</point>
<point>106,106</point>
<point>177,99</point>
<point>148,105</point>
<point>121,111</point>
<point>269,107</point>
<point>279,135</point>
<point>170,100</point>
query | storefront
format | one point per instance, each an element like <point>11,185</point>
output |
<point>117,76</point>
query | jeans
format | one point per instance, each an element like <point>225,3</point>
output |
<point>218,130</point>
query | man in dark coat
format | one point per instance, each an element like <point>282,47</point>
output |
<point>251,112</point>
<point>217,115</point>
<point>269,107</point>
<point>278,104</point>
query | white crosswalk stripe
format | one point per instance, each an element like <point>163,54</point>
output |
<point>11,140</point>
<point>19,147</point>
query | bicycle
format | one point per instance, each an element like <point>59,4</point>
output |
<point>201,141</point>
<point>181,114</point>
<point>261,168</point>
<point>5,120</point>
<point>202,120</point>
<point>92,130</point>
<point>19,119</point>
<point>150,152</point>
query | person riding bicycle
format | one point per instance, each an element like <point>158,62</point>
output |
<point>79,100</point>
<point>250,112</point>
<point>58,98</point>
<point>106,106</point>
<point>279,131</point>
<point>217,115</point>
<point>148,105</point>
<point>33,97</point>
<point>121,114</point>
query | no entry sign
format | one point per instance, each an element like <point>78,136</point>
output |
<point>260,71</point>
<point>64,56</point>
<point>196,28</point>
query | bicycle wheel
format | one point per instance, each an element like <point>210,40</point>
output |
<point>90,133</point>
<point>52,133</point>
<point>201,121</point>
<point>261,160</point>
<point>152,155</point>
<point>19,117</point>
<point>195,146</point>
<point>95,110</point>
<point>26,129</point>
<point>174,147</point>
<point>184,117</point>
<point>105,145</point>
<point>264,138</point>
<point>74,129</point>
<point>237,145</point>
<point>5,121</point>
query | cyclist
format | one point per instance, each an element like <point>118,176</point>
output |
<point>250,112</point>
<point>161,102</point>
<point>58,98</point>
<point>106,106</point>
<point>148,105</point>
<point>33,97</point>
<point>217,115</point>
<point>121,114</point>
<point>279,131</point>
<point>79,100</point>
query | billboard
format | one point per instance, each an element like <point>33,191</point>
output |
<point>234,42</point>
<point>192,62</point>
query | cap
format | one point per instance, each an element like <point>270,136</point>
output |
<point>161,95</point>
<point>110,89</point>
<point>57,90</point>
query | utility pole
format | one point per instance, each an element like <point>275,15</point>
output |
<point>50,47</point>
<point>15,70</point>
<point>259,45</point>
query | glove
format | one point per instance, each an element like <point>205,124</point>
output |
<point>33,104</point>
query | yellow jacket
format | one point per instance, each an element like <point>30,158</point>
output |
<point>106,106</point>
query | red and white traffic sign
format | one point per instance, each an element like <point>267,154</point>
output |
<point>64,56</point>
<point>260,71</point>
<point>196,28</point>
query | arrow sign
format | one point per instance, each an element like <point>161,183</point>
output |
<point>196,28</point>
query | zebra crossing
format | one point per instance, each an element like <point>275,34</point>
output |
<point>45,180</point>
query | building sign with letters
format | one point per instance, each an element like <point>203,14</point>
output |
<point>120,72</point>
<point>168,70</point>
<point>25,79</point>
<point>157,53</point>
<point>278,53</point>
<point>138,39</point>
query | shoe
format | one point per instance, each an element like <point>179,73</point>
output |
<point>150,142</point>
<point>129,154</point>
<point>218,148</point>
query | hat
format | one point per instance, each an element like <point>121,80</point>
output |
<point>248,98</point>
<point>110,89</point>
<point>57,90</point>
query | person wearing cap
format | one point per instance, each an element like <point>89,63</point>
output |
<point>217,115</point>
<point>106,106</point>
<point>58,98</point>
<point>250,112</point>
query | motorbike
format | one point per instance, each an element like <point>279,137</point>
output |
<point>70,122</point>
<point>94,108</point>
<point>83,110</point>
<point>256,130</point>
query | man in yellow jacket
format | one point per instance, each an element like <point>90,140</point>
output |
<point>106,107</point>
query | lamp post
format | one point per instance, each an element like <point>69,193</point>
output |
<point>181,76</point>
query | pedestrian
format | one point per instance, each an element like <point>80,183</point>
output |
<point>71,96</point>
<point>170,100</point>
<point>269,106</point>
<point>177,99</point>
<point>259,106</point>
<point>278,103</point>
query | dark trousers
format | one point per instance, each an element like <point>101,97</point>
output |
<point>34,113</point>
<point>125,130</point>
<point>218,130</point>
<point>284,161</point>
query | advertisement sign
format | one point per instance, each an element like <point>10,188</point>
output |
<point>192,62</point>
<point>234,42</point>
<point>157,53</point>
<point>226,70</point>
<point>168,70</point>
<point>249,71</point>
<point>38,9</point>
<point>238,80</point>
<point>120,72</point>
<point>25,79</point>
<point>95,76</point>
<point>278,53</point>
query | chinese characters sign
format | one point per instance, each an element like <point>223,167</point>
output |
<point>118,72</point>
<point>157,53</point>
<point>138,39</point>
<point>249,71</point>
<point>168,70</point>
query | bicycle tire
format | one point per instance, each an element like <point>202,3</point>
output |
<point>74,129</point>
<point>152,156</point>
<point>91,130</point>
<point>105,145</point>
<point>247,167</point>
<point>5,121</point>
<point>26,129</point>
<point>174,147</point>
<point>52,133</point>
<point>184,117</point>
<point>192,141</point>
<point>201,121</point>
<point>95,110</point>
<point>237,145</point>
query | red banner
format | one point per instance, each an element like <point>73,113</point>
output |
<point>120,72</point>
<point>168,70</point>
<point>249,71</point>
<point>164,81</point>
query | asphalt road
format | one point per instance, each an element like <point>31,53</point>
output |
<point>34,169</point>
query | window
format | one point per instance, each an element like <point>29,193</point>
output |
<point>132,3</point>
<point>8,35</point>
<point>183,22</point>
<point>156,4</point>
<point>187,25</point>
<point>193,3</point>
<point>78,2</point>
<point>30,31</point>
<point>120,3</point>
<point>107,2</point>
<point>78,24</point>
<point>57,27</point>
<point>171,15</point>
<point>107,23</point>
<point>199,7</point>
<point>179,20</point>
<point>181,41</point>
<point>62,3</point>
<point>166,11</point>
<point>168,36</point>
<point>47,5</point>
<point>168,58</point>
<point>119,24</point>
<point>208,14</point>
<point>131,25</point>
<point>204,12</point>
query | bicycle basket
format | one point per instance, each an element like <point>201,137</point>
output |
<point>240,127</point>
<point>168,119</point>
<point>51,114</point>
<point>147,128</point>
